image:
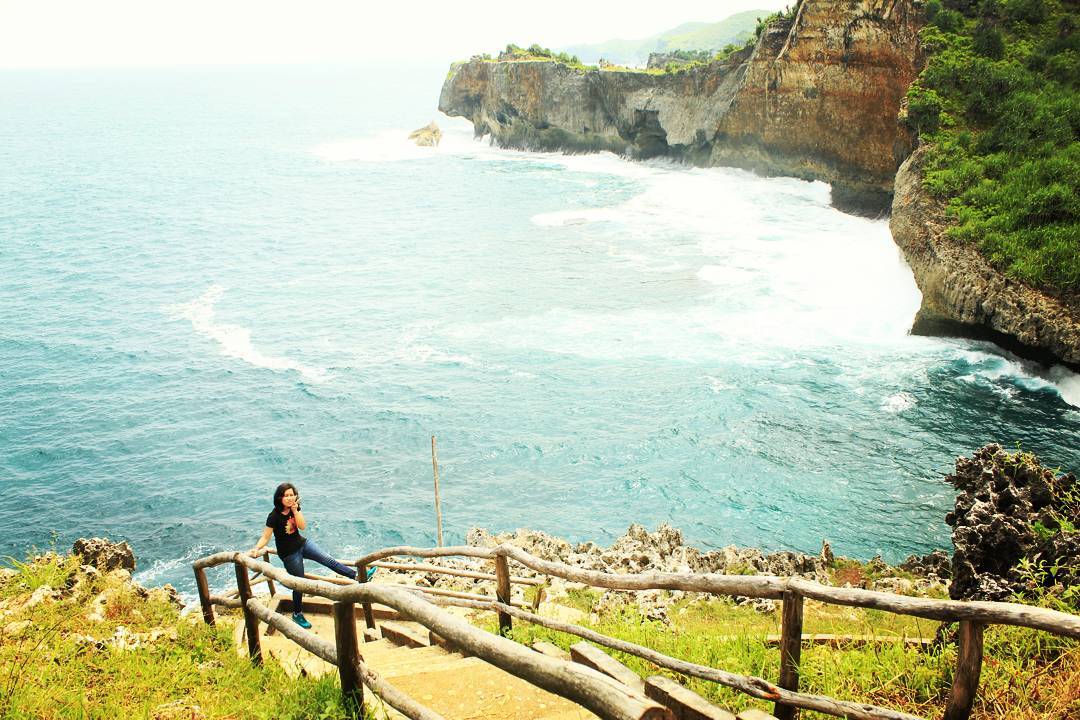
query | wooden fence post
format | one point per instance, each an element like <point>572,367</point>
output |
<point>502,591</point>
<point>251,621</point>
<point>361,576</point>
<point>790,651</point>
<point>438,504</point>
<point>204,595</point>
<point>269,582</point>
<point>968,668</point>
<point>348,653</point>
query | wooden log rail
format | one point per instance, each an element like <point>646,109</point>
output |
<point>792,592</point>
<point>589,688</point>
<point>972,616</point>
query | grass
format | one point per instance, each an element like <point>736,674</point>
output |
<point>49,669</point>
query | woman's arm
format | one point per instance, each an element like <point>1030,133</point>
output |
<point>257,550</point>
<point>301,523</point>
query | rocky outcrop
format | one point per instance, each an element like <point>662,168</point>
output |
<point>664,550</point>
<point>103,554</point>
<point>1013,526</point>
<point>817,97</point>
<point>963,294</point>
<point>427,136</point>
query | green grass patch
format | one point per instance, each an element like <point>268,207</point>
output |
<point>57,658</point>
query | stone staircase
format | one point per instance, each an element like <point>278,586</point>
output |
<point>467,688</point>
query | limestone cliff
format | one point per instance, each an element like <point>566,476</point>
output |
<point>964,295</point>
<point>817,97</point>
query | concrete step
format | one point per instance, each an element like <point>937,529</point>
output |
<point>684,702</point>
<point>409,634</point>
<point>458,664</point>
<point>472,689</point>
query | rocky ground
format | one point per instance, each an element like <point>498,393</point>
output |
<point>100,581</point>
<point>665,550</point>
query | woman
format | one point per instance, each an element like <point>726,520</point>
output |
<point>285,522</point>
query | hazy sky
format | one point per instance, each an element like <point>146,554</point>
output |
<point>63,33</point>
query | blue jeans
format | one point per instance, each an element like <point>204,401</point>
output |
<point>294,564</point>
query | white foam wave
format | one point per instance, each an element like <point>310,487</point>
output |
<point>1067,383</point>
<point>386,146</point>
<point>235,340</point>
<point>717,385</point>
<point>992,368</point>
<point>898,402</point>
<point>726,276</point>
<point>563,218</point>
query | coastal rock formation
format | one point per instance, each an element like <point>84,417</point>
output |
<point>664,550</point>
<point>817,98</point>
<point>1013,526</point>
<point>104,554</point>
<point>427,136</point>
<point>963,294</point>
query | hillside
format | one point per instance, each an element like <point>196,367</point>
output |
<point>735,29</point>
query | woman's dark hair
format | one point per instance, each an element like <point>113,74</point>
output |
<point>279,493</point>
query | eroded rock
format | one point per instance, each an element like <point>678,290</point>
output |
<point>427,136</point>
<point>1006,526</point>
<point>104,555</point>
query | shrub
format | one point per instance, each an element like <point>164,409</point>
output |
<point>988,41</point>
<point>1031,12</point>
<point>925,108</point>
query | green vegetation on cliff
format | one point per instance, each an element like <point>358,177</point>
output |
<point>999,101</point>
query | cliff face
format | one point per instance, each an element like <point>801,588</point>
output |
<point>964,295</point>
<point>816,98</point>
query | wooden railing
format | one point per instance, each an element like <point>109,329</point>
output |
<point>972,616</point>
<point>597,692</point>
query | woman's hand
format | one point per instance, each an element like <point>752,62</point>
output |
<point>255,552</point>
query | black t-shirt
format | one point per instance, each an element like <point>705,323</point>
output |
<point>287,538</point>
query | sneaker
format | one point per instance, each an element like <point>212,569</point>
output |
<point>371,573</point>
<point>300,620</point>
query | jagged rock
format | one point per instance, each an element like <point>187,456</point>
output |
<point>933,565</point>
<point>639,550</point>
<point>178,710</point>
<point>16,628</point>
<point>427,136</point>
<point>103,554</point>
<point>1007,515</point>
<point>827,557</point>
<point>7,574</point>
<point>96,613</point>
<point>124,639</point>
<point>479,537</point>
<point>43,594</point>
<point>166,593</point>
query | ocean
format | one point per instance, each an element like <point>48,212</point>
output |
<point>215,280</point>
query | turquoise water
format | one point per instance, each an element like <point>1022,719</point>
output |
<point>216,280</point>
